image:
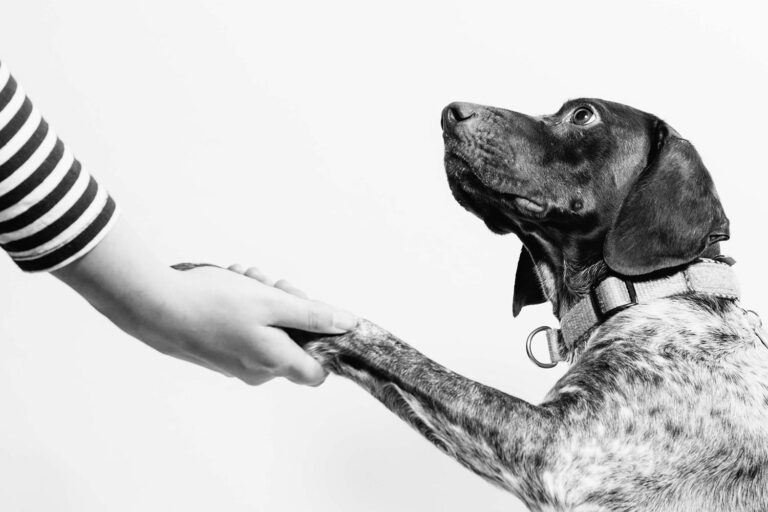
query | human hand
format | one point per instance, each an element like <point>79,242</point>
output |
<point>231,324</point>
<point>213,317</point>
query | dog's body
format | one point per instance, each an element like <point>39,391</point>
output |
<point>666,409</point>
<point>665,406</point>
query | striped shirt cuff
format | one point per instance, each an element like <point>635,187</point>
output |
<point>52,211</point>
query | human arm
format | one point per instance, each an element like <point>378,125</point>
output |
<point>55,217</point>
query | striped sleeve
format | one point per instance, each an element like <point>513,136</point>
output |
<point>52,211</point>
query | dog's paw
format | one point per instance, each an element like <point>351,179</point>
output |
<point>326,351</point>
<point>365,343</point>
<point>349,356</point>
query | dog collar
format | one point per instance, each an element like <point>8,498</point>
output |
<point>614,294</point>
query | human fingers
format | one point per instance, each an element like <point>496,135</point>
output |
<point>293,363</point>
<point>256,273</point>
<point>287,287</point>
<point>236,267</point>
<point>252,272</point>
<point>309,315</point>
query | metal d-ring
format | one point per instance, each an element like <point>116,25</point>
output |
<point>759,328</point>
<point>761,338</point>
<point>529,343</point>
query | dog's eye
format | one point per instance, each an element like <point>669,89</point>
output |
<point>582,116</point>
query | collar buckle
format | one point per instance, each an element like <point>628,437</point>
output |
<point>611,296</point>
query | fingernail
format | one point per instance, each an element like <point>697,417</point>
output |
<point>319,382</point>
<point>344,320</point>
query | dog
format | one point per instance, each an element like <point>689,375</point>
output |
<point>665,404</point>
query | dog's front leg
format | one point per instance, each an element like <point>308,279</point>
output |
<point>500,437</point>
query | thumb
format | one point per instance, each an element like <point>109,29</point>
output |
<point>294,364</point>
<point>311,315</point>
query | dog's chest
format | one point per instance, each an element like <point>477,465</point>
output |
<point>667,400</point>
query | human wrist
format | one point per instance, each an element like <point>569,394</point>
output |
<point>123,280</point>
<point>153,311</point>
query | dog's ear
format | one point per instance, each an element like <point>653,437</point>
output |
<point>527,287</point>
<point>671,214</point>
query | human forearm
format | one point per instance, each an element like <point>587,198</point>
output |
<point>122,279</point>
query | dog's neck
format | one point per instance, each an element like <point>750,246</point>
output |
<point>566,277</point>
<point>565,283</point>
<point>566,272</point>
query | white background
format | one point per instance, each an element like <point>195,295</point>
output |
<point>304,137</point>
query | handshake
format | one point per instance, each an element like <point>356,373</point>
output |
<point>231,321</point>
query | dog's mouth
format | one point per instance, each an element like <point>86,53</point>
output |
<point>489,195</point>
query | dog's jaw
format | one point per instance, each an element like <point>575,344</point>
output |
<point>491,196</point>
<point>506,212</point>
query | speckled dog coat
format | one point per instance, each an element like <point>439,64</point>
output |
<point>665,404</point>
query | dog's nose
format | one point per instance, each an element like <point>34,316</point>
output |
<point>457,112</point>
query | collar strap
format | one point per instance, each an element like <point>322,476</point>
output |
<point>614,294</point>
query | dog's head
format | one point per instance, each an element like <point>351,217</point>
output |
<point>595,182</point>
